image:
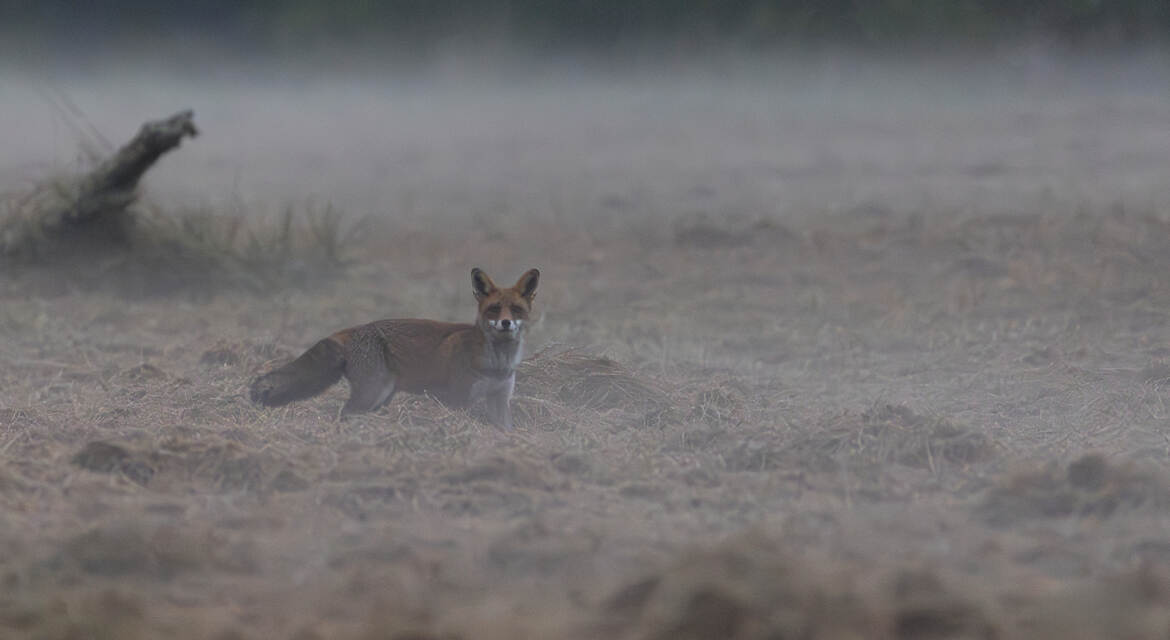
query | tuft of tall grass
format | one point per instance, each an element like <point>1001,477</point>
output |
<point>151,249</point>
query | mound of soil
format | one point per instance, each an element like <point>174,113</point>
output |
<point>1088,487</point>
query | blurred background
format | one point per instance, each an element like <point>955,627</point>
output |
<point>416,27</point>
<point>829,103</point>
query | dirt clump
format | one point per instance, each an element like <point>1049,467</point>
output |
<point>1088,487</point>
<point>106,457</point>
<point>923,606</point>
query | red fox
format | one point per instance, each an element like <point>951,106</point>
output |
<point>457,363</point>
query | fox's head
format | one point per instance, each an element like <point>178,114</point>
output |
<point>503,313</point>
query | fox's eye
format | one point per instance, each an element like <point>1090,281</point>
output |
<point>494,308</point>
<point>517,310</point>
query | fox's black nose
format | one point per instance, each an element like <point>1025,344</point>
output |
<point>506,323</point>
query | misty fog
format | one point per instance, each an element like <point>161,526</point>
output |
<point>1017,130</point>
<point>828,344</point>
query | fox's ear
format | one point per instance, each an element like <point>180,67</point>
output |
<point>481,285</point>
<point>526,285</point>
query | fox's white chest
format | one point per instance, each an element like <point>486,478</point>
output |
<point>485,387</point>
<point>502,355</point>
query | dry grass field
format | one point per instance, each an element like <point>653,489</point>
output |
<point>827,353</point>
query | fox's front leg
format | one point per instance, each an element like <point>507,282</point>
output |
<point>499,408</point>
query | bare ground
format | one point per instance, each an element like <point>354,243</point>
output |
<point>901,411</point>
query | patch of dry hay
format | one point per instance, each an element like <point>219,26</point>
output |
<point>583,381</point>
<point>896,434</point>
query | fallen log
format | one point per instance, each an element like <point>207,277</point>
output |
<point>85,232</point>
<point>96,202</point>
<point>116,179</point>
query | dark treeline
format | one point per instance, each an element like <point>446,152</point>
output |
<point>265,24</point>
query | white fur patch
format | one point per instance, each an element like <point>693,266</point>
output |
<point>503,354</point>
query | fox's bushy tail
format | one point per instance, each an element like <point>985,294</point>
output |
<point>313,372</point>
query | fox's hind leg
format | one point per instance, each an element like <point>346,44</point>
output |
<point>370,387</point>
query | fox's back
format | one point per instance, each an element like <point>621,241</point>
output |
<point>421,353</point>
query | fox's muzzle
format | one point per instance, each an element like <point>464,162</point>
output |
<point>505,325</point>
